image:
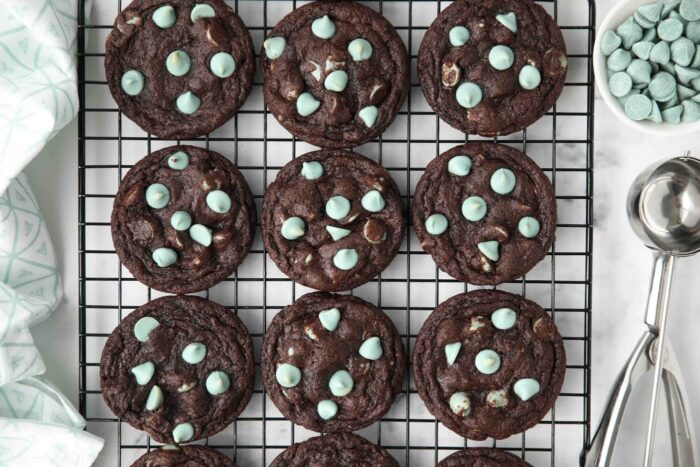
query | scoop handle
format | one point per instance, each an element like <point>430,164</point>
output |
<point>656,318</point>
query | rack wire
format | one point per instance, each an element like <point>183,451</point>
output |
<point>561,142</point>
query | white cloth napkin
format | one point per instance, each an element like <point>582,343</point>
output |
<point>38,93</point>
<point>38,97</point>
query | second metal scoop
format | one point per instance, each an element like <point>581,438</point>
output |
<point>664,209</point>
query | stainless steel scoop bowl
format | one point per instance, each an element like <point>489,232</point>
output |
<point>663,206</point>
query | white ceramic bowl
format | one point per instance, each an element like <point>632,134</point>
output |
<point>622,10</point>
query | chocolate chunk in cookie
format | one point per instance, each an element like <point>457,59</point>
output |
<point>336,73</point>
<point>489,364</point>
<point>180,368</point>
<point>492,67</point>
<point>179,68</point>
<point>332,220</point>
<point>336,449</point>
<point>186,456</point>
<point>332,362</point>
<point>485,212</point>
<point>183,219</point>
<point>482,457</point>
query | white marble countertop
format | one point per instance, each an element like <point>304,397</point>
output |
<point>621,265</point>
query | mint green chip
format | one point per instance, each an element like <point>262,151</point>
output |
<point>327,409</point>
<point>183,432</point>
<point>672,114</point>
<point>459,35</point>
<point>509,20</point>
<point>684,92</point>
<point>682,51</point>
<point>346,259</point>
<point>649,35</point>
<point>132,82</point>
<point>686,74</point>
<point>655,115</point>
<point>660,53</point>
<point>178,63</point>
<point>692,31</point>
<point>202,10</point>
<point>474,208</point>
<point>469,95</point>
<point>323,28</point>
<point>651,12</point>
<point>307,104</point>
<point>194,353</point>
<point>668,7</point>
<point>188,103</point>
<point>630,32</point>
<point>623,100</point>
<point>696,60</point>
<point>181,220</point>
<point>638,107</point>
<point>620,84</point>
<point>642,21</point>
<point>144,327</point>
<point>164,17</point>
<point>217,383</point>
<point>639,71</point>
<point>619,60</point>
<point>337,207</point>
<point>690,10</point>
<point>662,87</point>
<point>222,64</point>
<point>691,111</point>
<point>670,29</point>
<point>274,47</point>
<point>293,228</point>
<point>436,224</point>
<point>642,49</point>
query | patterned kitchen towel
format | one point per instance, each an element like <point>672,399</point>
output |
<point>38,425</point>
<point>38,97</point>
<point>32,412</point>
<point>38,78</point>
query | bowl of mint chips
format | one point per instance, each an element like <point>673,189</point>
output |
<point>647,64</point>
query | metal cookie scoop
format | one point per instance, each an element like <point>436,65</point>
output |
<point>663,206</point>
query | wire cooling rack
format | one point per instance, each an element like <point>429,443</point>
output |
<point>408,290</point>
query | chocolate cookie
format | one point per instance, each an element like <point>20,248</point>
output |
<point>185,456</point>
<point>492,67</point>
<point>485,212</point>
<point>332,362</point>
<point>180,368</point>
<point>336,73</point>
<point>489,364</point>
<point>336,449</point>
<point>179,68</point>
<point>183,219</point>
<point>482,457</point>
<point>332,220</point>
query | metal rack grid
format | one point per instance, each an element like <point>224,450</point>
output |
<point>561,142</point>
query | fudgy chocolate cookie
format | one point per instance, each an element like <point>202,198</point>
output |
<point>179,367</point>
<point>489,364</point>
<point>179,68</point>
<point>332,362</point>
<point>183,219</point>
<point>332,220</point>
<point>337,450</point>
<point>482,457</point>
<point>485,212</point>
<point>336,73</point>
<point>492,67</point>
<point>185,456</point>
